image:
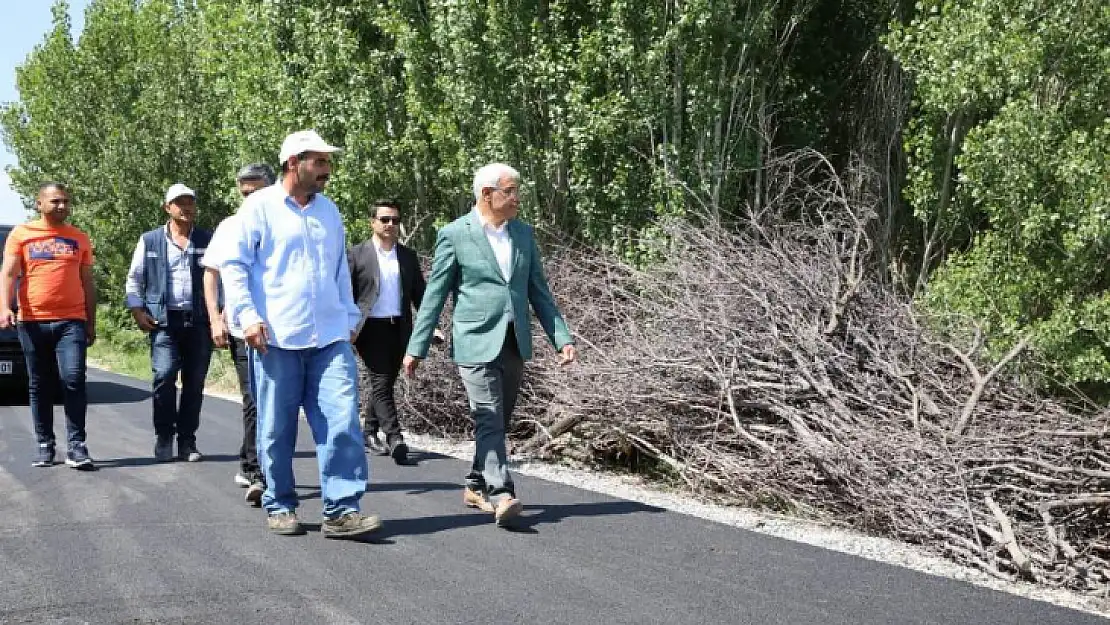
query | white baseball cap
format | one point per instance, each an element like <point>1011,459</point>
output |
<point>177,191</point>
<point>304,141</point>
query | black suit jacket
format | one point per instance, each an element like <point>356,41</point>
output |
<point>363,261</point>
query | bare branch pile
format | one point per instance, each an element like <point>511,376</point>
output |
<point>764,365</point>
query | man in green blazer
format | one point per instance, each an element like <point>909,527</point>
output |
<point>490,265</point>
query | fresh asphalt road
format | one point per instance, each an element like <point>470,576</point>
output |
<point>139,542</point>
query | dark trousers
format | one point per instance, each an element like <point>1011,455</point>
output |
<point>185,348</point>
<point>491,389</point>
<point>381,345</point>
<point>53,349</point>
<point>248,451</point>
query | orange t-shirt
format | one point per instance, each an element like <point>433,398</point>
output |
<point>51,258</point>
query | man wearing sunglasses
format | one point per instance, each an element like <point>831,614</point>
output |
<point>388,286</point>
<point>250,178</point>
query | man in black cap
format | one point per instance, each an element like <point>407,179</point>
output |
<point>250,178</point>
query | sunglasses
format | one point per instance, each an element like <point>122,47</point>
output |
<point>389,220</point>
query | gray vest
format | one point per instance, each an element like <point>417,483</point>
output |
<point>157,275</point>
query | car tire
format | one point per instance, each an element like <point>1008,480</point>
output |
<point>14,395</point>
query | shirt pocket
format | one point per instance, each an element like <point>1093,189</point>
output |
<point>318,241</point>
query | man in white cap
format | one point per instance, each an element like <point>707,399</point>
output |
<point>165,292</point>
<point>288,287</point>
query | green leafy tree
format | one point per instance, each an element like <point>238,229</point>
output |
<point>617,113</point>
<point>1009,172</point>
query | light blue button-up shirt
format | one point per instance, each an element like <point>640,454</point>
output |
<point>287,267</point>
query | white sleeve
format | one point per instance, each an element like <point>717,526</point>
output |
<point>135,286</point>
<point>238,256</point>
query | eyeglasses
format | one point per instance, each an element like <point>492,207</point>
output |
<point>509,191</point>
<point>389,220</point>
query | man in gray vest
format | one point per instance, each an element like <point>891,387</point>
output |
<point>165,292</point>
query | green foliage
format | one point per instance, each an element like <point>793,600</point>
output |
<point>617,113</point>
<point>129,111</point>
<point>1008,166</point>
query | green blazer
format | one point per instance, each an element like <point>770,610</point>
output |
<point>466,269</point>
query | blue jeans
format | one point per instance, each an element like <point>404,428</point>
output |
<point>177,348</point>
<point>322,380</point>
<point>52,349</point>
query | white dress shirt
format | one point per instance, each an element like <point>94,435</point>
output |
<point>502,244</point>
<point>498,237</point>
<point>388,303</point>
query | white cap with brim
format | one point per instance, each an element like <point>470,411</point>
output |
<point>177,191</point>
<point>304,141</point>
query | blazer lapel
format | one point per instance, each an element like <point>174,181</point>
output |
<point>406,277</point>
<point>367,256</point>
<point>516,235</point>
<point>479,236</point>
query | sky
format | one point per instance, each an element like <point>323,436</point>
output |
<point>24,25</point>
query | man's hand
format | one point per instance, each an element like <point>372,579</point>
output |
<point>568,355</point>
<point>7,319</point>
<point>257,336</point>
<point>219,331</point>
<point>90,334</point>
<point>409,365</point>
<point>144,320</point>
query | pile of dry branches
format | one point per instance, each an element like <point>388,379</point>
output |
<point>765,365</point>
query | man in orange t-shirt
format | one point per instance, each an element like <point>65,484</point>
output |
<point>57,317</point>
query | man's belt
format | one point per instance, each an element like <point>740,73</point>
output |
<point>390,320</point>
<point>186,316</point>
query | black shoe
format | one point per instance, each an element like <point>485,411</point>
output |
<point>188,452</point>
<point>78,458</point>
<point>45,457</point>
<point>400,451</point>
<point>374,444</point>
<point>163,449</point>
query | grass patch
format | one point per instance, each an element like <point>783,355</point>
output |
<point>126,352</point>
<point>123,348</point>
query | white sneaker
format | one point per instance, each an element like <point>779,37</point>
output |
<point>241,480</point>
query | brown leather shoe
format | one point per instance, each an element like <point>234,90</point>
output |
<point>509,508</point>
<point>253,496</point>
<point>284,524</point>
<point>351,525</point>
<point>474,499</point>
